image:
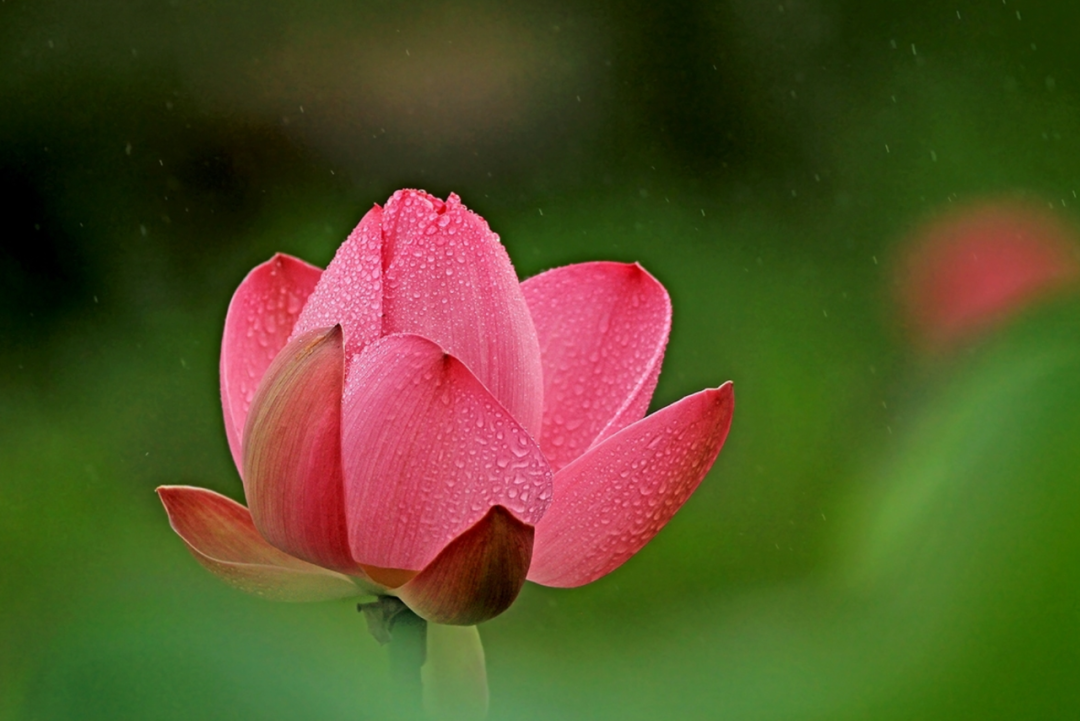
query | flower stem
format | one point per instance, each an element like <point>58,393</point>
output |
<point>393,624</point>
<point>455,676</point>
<point>408,650</point>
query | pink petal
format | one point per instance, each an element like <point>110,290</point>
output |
<point>611,501</point>
<point>602,329</point>
<point>350,291</point>
<point>260,318</point>
<point>427,453</point>
<point>477,576</point>
<point>292,452</point>
<point>449,279</point>
<point>220,535</point>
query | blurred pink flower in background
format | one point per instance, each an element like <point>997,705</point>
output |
<point>968,271</point>
<point>413,421</point>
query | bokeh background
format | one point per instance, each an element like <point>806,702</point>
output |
<point>890,532</point>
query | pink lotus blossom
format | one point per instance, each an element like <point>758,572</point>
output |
<point>413,421</point>
<point>972,269</point>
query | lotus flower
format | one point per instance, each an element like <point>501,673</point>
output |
<point>971,270</point>
<point>415,422</point>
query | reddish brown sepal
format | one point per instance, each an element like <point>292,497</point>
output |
<point>477,576</point>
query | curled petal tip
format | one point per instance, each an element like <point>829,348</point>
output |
<point>724,390</point>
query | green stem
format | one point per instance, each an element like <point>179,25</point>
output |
<point>455,676</point>
<point>408,651</point>
<point>393,624</point>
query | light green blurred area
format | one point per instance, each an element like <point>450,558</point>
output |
<point>884,535</point>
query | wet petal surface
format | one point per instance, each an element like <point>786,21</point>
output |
<point>614,499</point>
<point>427,452</point>
<point>602,329</point>
<point>449,279</point>
<point>260,318</point>
<point>350,291</point>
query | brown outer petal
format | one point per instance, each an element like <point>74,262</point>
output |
<point>292,452</point>
<point>477,576</point>
<point>220,535</point>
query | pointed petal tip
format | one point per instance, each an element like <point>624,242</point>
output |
<point>174,496</point>
<point>724,396</point>
<point>633,270</point>
<point>614,499</point>
<point>639,269</point>
<point>317,336</point>
<point>724,390</point>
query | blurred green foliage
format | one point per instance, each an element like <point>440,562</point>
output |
<point>884,535</point>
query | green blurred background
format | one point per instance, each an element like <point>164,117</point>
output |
<point>884,536</point>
